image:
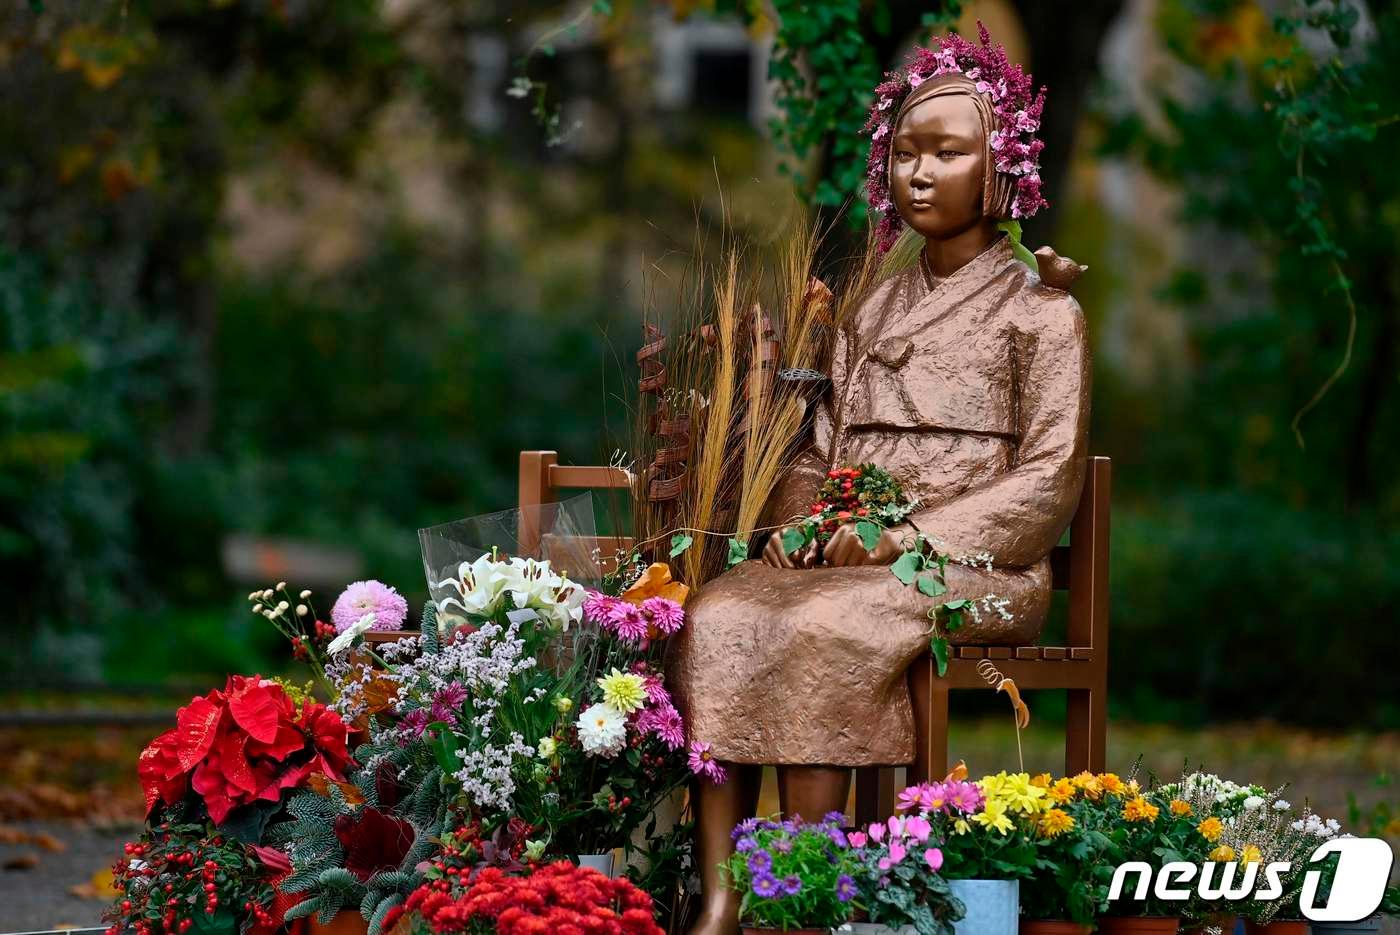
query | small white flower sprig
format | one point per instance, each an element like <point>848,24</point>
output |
<point>924,565</point>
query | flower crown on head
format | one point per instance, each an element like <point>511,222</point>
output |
<point>1014,144</point>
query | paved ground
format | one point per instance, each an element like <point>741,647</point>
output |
<point>38,897</point>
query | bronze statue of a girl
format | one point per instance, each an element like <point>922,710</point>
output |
<point>966,376</point>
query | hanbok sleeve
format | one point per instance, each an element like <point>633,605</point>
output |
<point>1016,518</point>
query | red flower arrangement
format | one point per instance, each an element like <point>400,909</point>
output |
<point>241,745</point>
<point>557,898</point>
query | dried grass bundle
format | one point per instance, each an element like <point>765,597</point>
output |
<point>743,427</point>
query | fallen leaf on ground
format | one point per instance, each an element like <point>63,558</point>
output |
<point>98,886</point>
<point>21,862</point>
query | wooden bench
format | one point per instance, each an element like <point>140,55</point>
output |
<point>1080,668</point>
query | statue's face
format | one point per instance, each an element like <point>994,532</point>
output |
<point>936,165</point>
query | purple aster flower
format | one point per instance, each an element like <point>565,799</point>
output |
<point>628,621</point>
<point>838,837</point>
<point>834,818</point>
<point>845,888</point>
<point>745,827</point>
<point>792,885</point>
<point>766,885</point>
<point>703,763</point>
<point>369,597</point>
<point>666,614</point>
<point>745,844</point>
<point>782,845</point>
<point>760,862</point>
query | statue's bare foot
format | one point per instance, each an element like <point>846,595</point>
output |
<point>715,923</point>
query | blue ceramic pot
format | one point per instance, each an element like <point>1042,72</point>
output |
<point>993,906</point>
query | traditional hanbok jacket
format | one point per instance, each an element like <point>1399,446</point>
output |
<point>973,392</point>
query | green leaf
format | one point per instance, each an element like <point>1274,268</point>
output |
<point>1013,234</point>
<point>738,552</point>
<point>795,537</point>
<point>939,647</point>
<point>906,567</point>
<point>930,585</point>
<point>954,621</point>
<point>869,533</point>
<point>445,747</point>
<point>680,542</point>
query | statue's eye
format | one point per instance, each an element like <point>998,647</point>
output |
<point>949,153</point>
<point>903,155</point>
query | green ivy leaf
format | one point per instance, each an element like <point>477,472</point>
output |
<point>738,552</point>
<point>680,542</point>
<point>869,533</point>
<point>795,537</point>
<point>906,567</point>
<point>939,647</point>
<point>930,585</point>
<point>1013,234</point>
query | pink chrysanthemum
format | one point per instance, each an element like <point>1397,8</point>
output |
<point>598,607</point>
<point>447,702</point>
<point>666,614</point>
<point>369,597</point>
<point>665,723</point>
<point>627,621</point>
<point>964,797</point>
<point>1014,145</point>
<point>703,763</point>
<point>656,691</point>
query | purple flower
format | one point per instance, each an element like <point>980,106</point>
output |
<point>760,862</point>
<point>447,702</point>
<point>845,888</point>
<point>747,826</point>
<point>838,837</point>
<point>782,845</point>
<point>834,818</point>
<point>766,885</point>
<point>369,597</point>
<point>703,763</point>
<point>792,885</point>
<point>627,621</point>
<point>666,614</point>
<point>598,607</point>
<point>412,724</point>
<point>665,723</point>
<point>746,844</point>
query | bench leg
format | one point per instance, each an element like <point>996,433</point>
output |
<point>1085,730</point>
<point>930,698</point>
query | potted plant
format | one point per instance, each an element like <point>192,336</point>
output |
<point>898,884</point>
<point>793,876</point>
<point>1059,896</point>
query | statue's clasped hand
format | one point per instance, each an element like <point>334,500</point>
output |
<point>844,549</point>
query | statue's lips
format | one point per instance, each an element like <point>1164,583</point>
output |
<point>920,205</point>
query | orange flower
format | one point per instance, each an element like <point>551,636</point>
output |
<point>1211,828</point>
<point>1180,808</point>
<point>1223,854</point>
<point>1139,809</point>
<point>1062,791</point>
<point>1112,784</point>
<point>1251,855</point>
<point>1055,822</point>
<point>656,582</point>
<point>1041,780</point>
<point>1089,784</point>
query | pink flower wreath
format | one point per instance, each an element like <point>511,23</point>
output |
<point>1014,143</point>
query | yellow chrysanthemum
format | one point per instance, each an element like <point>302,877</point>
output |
<point>1021,796</point>
<point>993,816</point>
<point>1180,808</point>
<point>1055,822</point>
<point>992,786</point>
<point>1139,809</point>
<point>1041,780</point>
<point>1223,854</point>
<point>623,691</point>
<point>1062,791</point>
<point>1211,828</point>
<point>1133,787</point>
<point>1251,854</point>
<point>960,826</point>
<point>1112,784</point>
<point>1089,784</point>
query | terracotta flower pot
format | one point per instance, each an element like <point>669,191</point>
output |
<point>344,922</point>
<point>1277,927</point>
<point>1138,925</point>
<point>1052,927</point>
<point>1373,924</point>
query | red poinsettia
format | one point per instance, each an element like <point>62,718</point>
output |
<point>246,743</point>
<point>373,841</point>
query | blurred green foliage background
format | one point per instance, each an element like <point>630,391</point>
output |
<point>314,271</point>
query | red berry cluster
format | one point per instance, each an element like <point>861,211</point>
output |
<point>559,897</point>
<point>839,500</point>
<point>177,872</point>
